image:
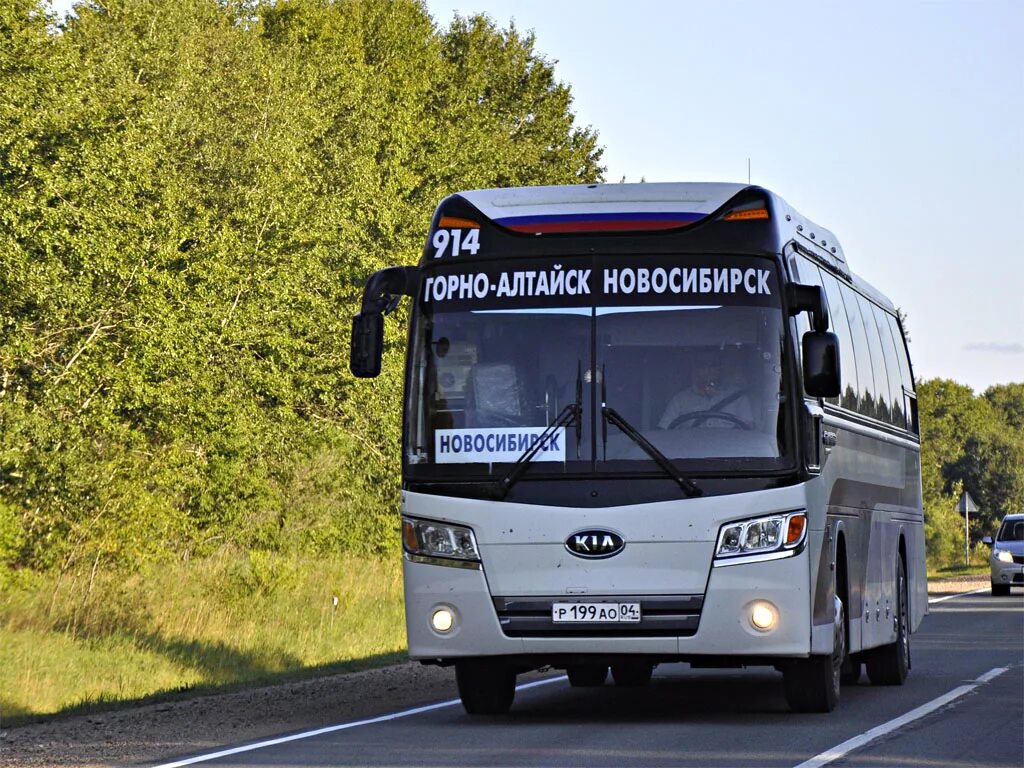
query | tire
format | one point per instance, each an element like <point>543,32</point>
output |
<point>889,664</point>
<point>632,674</point>
<point>849,673</point>
<point>1000,590</point>
<point>812,685</point>
<point>485,688</point>
<point>586,675</point>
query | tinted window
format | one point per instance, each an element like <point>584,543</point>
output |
<point>1012,530</point>
<point>892,367</point>
<point>906,375</point>
<point>841,327</point>
<point>861,352</point>
<point>881,379</point>
<point>901,352</point>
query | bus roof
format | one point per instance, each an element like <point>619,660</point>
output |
<point>520,207</point>
<point>647,206</point>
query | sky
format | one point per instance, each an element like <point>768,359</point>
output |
<point>899,126</point>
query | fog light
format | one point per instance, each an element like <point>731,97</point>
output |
<point>763,616</point>
<point>442,620</point>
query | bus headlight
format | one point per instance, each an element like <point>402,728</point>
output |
<point>776,535</point>
<point>444,540</point>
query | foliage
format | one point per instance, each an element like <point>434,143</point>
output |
<point>191,196</point>
<point>969,443</point>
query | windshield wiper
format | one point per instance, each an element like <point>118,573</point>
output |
<point>572,413</point>
<point>689,487</point>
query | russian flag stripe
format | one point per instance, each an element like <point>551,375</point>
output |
<point>600,222</point>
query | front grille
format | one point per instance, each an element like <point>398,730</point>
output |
<point>660,616</point>
<point>1019,559</point>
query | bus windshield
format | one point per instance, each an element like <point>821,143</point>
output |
<point>690,355</point>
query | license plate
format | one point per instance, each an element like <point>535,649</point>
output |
<point>595,613</point>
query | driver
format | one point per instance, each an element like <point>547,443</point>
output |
<point>708,394</point>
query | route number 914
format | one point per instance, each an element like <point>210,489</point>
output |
<point>459,240</point>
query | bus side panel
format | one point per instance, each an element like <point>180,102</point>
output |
<point>873,484</point>
<point>917,579</point>
<point>821,558</point>
<point>917,571</point>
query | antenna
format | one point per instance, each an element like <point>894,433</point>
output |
<point>748,170</point>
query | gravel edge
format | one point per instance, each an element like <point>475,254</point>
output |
<point>163,731</point>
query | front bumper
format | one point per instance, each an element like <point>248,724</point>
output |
<point>723,627</point>
<point>1007,573</point>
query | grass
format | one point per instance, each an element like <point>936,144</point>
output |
<point>94,641</point>
<point>88,641</point>
<point>952,571</point>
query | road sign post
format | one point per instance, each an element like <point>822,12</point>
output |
<point>965,506</point>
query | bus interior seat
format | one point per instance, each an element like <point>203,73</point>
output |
<point>494,395</point>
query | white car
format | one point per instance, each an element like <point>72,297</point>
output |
<point>1007,558</point>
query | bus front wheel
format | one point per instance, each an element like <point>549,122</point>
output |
<point>485,687</point>
<point>812,685</point>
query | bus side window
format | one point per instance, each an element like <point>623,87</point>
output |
<point>861,353</point>
<point>892,367</point>
<point>841,328</point>
<point>881,411</point>
<point>909,398</point>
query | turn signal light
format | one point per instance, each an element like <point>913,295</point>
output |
<point>454,222</point>
<point>751,214</point>
<point>795,530</point>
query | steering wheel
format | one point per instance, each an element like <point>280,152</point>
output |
<point>698,417</point>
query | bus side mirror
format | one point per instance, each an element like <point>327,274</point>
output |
<point>367,344</point>
<point>381,295</point>
<point>808,298</point>
<point>821,364</point>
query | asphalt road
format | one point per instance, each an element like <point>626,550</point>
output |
<point>956,709</point>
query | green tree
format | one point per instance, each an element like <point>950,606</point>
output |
<point>192,195</point>
<point>949,414</point>
<point>1008,400</point>
<point>992,469</point>
<point>969,443</point>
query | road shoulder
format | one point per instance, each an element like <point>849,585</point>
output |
<point>152,732</point>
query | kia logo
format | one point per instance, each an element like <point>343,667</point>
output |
<point>594,544</point>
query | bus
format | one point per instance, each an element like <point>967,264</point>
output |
<point>647,424</point>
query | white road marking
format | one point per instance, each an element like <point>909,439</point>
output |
<point>848,746</point>
<point>340,727</point>
<point>958,594</point>
<point>831,755</point>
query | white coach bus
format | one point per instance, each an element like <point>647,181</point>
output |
<point>631,438</point>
